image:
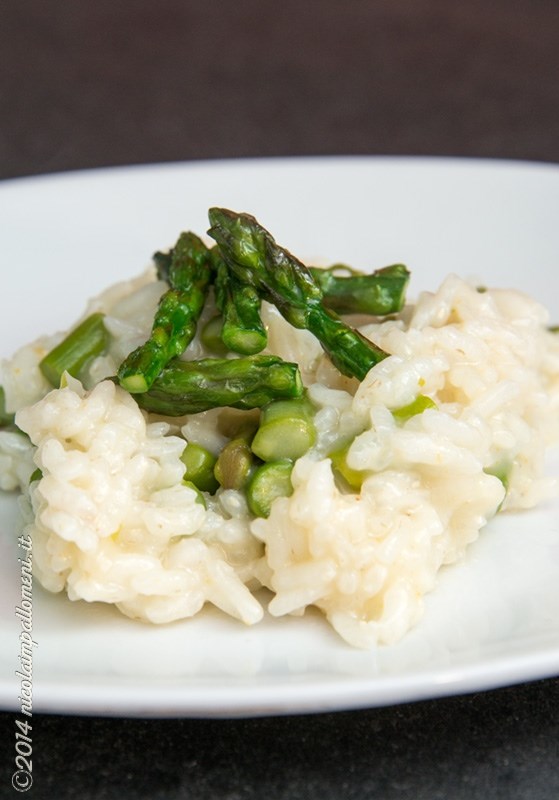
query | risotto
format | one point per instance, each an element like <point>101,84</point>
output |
<point>402,471</point>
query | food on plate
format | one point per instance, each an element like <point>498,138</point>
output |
<point>232,420</point>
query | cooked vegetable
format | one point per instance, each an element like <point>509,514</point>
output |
<point>210,336</point>
<point>5,417</point>
<point>417,406</point>
<point>286,430</point>
<point>269,481</point>
<point>187,387</point>
<point>253,256</point>
<point>380,293</point>
<point>239,303</point>
<point>351,478</point>
<point>200,499</point>
<point>88,340</point>
<point>176,318</point>
<point>199,464</point>
<point>501,470</point>
<point>235,464</point>
<point>36,475</point>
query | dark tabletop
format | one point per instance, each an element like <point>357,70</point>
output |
<point>89,84</point>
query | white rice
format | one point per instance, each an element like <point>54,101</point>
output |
<point>112,521</point>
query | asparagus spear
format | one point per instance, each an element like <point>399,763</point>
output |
<point>89,339</point>
<point>253,256</point>
<point>382,292</point>
<point>240,327</point>
<point>187,387</point>
<point>176,317</point>
<point>242,331</point>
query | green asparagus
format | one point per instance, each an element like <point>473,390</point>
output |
<point>200,499</point>
<point>36,475</point>
<point>239,303</point>
<point>501,470</point>
<point>199,464</point>
<point>187,387</point>
<point>253,256</point>
<point>210,336</point>
<point>352,479</point>
<point>5,417</point>
<point>238,326</point>
<point>269,481</point>
<point>417,406</point>
<point>380,293</point>
<point>286,430</point>
<point>88,340</point>
<point>235,464</point>
<point>177,316</point>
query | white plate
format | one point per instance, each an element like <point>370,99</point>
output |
<point>492,620</point>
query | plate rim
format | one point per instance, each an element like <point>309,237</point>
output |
<point>72,174</point>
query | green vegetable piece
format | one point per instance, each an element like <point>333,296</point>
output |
<point>501,470</point>
<point>286,430</point>
<point>176,318</point>
<point>199,496</point>
<point>6,418</point>
<point>269,481</point>
<point>187,387</point>
<point>243,331</point>
<point>199,464</point>
<point>352,478</point>
<point>88,340</point>
<point>349,351</point>
<point>417,406</point>
<point>36,475</point>
<point>210,336</point>
<point>253,256</point>
<point>380,293</point>
<point>234,464</point>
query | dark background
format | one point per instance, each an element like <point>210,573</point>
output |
<point>89,84</point>
<point>107,82</point>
